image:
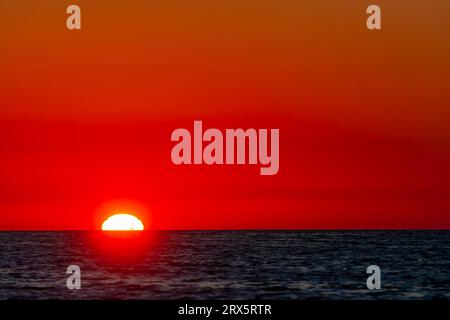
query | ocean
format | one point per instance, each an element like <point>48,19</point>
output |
<point>225,264</point>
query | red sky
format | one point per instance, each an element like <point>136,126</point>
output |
<point>86,116</point>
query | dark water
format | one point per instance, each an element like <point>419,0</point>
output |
<point>226,265</point>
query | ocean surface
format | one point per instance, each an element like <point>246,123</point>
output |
<point>225,264</point>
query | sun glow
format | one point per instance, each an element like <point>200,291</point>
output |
<point>122,222</point>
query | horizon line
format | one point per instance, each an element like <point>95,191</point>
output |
<point>228,229</point>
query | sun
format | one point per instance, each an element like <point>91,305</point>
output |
<point>122,222</point>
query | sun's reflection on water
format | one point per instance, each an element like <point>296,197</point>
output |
<point>123,246</point>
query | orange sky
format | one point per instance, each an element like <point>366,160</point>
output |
<point>86,116</point>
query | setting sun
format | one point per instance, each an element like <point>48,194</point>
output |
<point>122,222</point>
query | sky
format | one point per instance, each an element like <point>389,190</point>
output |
<point>86,115</point>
